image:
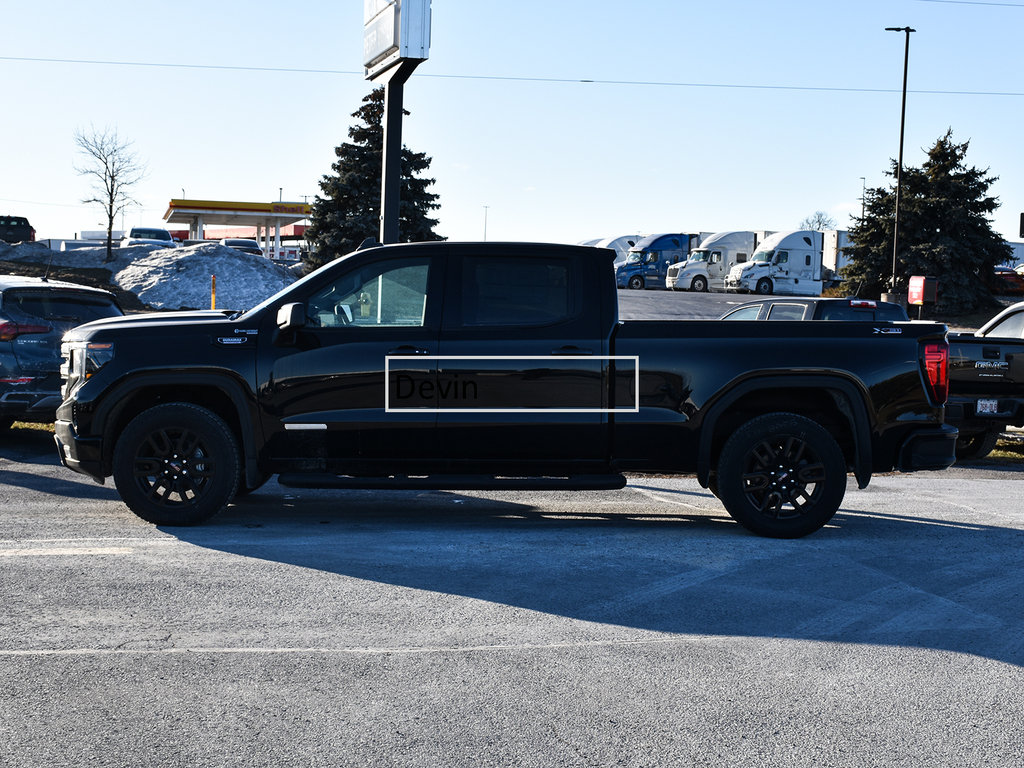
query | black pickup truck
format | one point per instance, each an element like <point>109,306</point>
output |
<point>494,365</point>
<point>986,380</point>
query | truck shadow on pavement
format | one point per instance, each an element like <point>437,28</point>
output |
<point>866,578</point>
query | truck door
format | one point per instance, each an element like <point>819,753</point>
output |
<point>324,395</point>
<point>521,377</point>
<point>715,267</point>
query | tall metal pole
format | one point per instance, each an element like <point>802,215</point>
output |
<point>899,162</point>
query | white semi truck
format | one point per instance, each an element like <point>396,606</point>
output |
<point>709,265</point>
<point>787,263</point>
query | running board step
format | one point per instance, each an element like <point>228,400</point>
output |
<point>456,482</point>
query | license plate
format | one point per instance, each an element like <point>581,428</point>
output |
<point>988,406</point>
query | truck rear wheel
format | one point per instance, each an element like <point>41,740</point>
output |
<point>176,464</point>
<point>764,287</point>
<point>977,445</point>
<point>636,282</point>
<point>699,284</point>
<point>781,475</point>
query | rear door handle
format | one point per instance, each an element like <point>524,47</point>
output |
<point>408,349</point>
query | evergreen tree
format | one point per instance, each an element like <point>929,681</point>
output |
<point>945,232</point>
<point>349,210</point>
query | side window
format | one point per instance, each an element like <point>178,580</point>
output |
<point>786,312</point>
<point>744,313</point>
<point>807,260</point>
<point>716,256</point>
<point>1010,328</point>
<point>741,258</point>
<point>652,257</point>
<point>515,290</point>
<point>385,295</point>
<point>782,257</point>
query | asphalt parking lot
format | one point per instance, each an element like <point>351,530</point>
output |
<point>638,627</point>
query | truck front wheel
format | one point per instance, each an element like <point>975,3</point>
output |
<point>764,287</point>
<point>176,464</point>
<point>699,284</point>
<point>781,475</point>
<point>636,282</point>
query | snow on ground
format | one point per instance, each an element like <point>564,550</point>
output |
<point>172,278</point>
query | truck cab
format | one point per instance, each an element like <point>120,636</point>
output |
<point>648,261</point>
<point>786,263</point>
<point>709,265</point>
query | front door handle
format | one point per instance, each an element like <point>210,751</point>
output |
<point>408,349</point>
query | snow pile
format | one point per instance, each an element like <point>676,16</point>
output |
<point>180,278</point>
<point>172,278</point>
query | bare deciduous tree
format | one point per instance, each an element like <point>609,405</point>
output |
<point>114,169</point>
<point>819,221</point>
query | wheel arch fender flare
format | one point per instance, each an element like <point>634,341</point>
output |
<point>114,403</point>
<point>848,394</point>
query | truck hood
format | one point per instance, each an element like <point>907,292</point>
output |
<point>748,268</point>
<point>213,319</point>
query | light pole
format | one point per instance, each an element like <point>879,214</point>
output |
<point>899,162</point>
<point>485,222</point>
<point>863,197</point>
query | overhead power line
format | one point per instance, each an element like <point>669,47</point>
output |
<point>510,78</point>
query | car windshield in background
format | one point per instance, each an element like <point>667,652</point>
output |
<point>880,311</point>
<point>699,256</point>
<point>763,256</point>
<point>151,234</point>
<point>58,307</point>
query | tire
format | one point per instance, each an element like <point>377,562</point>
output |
<point>636,282</point>
<point>764,287</point>
<point>977,445</point>
<point>176,464</point>
<point>781,475</point>
<point>699,284</point>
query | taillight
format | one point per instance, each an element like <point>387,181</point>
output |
<point>936,368</point>
<point>10,331</point>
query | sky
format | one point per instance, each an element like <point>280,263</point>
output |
<point>545,121</point>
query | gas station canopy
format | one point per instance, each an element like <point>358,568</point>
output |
<point>198,214</point>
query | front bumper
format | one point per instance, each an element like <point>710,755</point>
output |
<point>84,455</point>
<point>925,449</point>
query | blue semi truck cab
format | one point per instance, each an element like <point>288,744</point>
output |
<point>647,263</point>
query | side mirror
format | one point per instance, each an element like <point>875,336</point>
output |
<point>291,317</point>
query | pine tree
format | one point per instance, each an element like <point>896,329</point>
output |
<point>945,232</point>
<point>349,210</point>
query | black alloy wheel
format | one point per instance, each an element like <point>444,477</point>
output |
<point>176,464</point>
<point>781,475</point>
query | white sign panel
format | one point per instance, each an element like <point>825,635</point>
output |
<point>394,30</point>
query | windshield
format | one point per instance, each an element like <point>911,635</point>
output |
<point>635,257</point>
<point>763,257</point>
<point>297,284</point>
<point>700,255</point>
<point>151,234</point>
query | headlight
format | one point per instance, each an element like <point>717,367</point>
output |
<point>83,360</point>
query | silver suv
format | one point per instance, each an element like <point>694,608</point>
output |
<point>149,236</point>
<point>35,313</point>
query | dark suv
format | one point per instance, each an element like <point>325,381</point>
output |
<point>35,314</point>
<point>16,229</point>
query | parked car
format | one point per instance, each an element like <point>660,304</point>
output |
<point>245,246</point>
<point>789,308</point>
<point>1007,281</point>
<point>986,382</point>
<point>16,229</point>
<point>149,236</point>
<point>35,313</point>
